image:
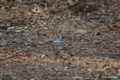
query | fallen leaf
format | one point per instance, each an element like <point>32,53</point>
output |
<point>68,65</point>
<point>115,25</point>
<point>112,30</point>
<point>97,41</point>
<point>3,49</point>
<point>25,51</point>
<point>109,3</point>
<point>82,31</point>
<point>86,75</point>
<point>23,59</point>
<point>112,61</point>
<point>12,50</point>
<point>98,10</point>
<point>45,26</point>
<point>83,27</point>
<point>53,53</point>
<point>68,44</point>
<point>89,54</point>
<point>103,11</point>
<point>31,77</point>
<point>16,54</point>
<point>66,56</point>
<point>39,75</point>
<point>14,62</point>
<point>53,74</point>
<point>101,51</point>
<point>44,76</point>
<point>41,48</point>
<point>13,3</point>
<point>24,70</point>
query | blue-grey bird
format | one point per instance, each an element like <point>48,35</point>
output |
<point>59,41</point>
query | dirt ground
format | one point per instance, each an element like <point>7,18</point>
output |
<point>91,50</point>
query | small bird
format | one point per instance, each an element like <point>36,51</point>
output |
<point>59,41</point>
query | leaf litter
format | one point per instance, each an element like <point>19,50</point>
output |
<point>92,39</point>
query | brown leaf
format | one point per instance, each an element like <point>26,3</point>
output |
<point>68,44</point>
<point>23,59</point>
<point>41,48</point>
<point>66,56</point>
<point>114,25</point>
<point>16,54</point>
<point>109,3</point>
<point>13,3</point>
<point>53,74</point>
<point>68,65</point>
<point>24,70</point>
<point>86,75</point>
<point>45,26</point>
<point>89,54</point>
<point>53,53</point>
<point>98,10</point>
<point>39,75</point>
<point>44,76</point>
<point>14,62</point>
<point>82,31</point>
<point>97,41</point>
<point>103,11</point>
<point>101,51</point>
<point>12,50</point>
<point>31,77</point>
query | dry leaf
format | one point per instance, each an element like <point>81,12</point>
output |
<point>12,50</point>
<point>45,76</point>
<point>68,65</point>
<point>83,27</point>
<point>25,51</point>
<point>112,30</point>
<point>109,3</point>
<point>43,55</point>
<point>14,62</point>
<point>68,44</point>
<point>53,74</point>
<point>103,11</point>
<point>53,53</point>
<point>114,25</point>
<point>112,61</point>
<point>89,54</point>
<point>86,75</point>
<point>80,55</point>
<point>13,3</point>
<point>82,31</point>
<point>98,10</point>
<point>39,75</point>
<point>23,59</point>
<point>101,51</point>
<point>66,56</point>
<point>41,48</point>
<point>24,70</point>
<point>16,54</point>
<point>83,16</point>
<point>31,77</point>
<point>3,49</point>
<point>45,26</point>
<point>97,41</point>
